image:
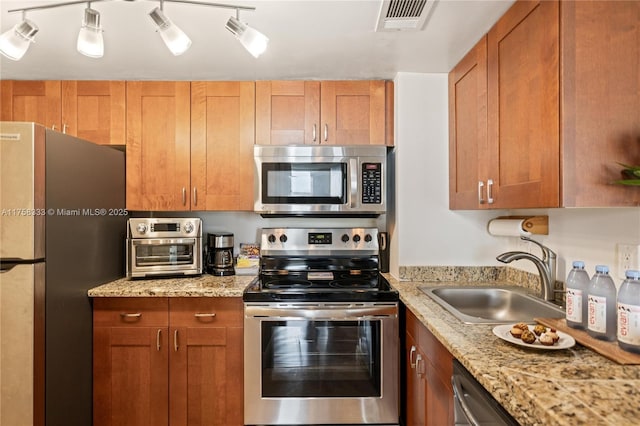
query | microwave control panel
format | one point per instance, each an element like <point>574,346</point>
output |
<point>371,183</point>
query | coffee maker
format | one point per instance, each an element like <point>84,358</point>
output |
<point>220,254</point>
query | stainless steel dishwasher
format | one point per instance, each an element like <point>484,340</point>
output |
<point>473,405</point>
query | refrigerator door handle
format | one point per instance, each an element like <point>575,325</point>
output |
<point>8,264</point>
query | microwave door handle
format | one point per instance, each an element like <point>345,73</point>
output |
<point>353,182</point>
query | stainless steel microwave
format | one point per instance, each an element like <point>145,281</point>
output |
<point>320,180</point>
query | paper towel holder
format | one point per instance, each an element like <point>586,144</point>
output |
<point>537,225</point>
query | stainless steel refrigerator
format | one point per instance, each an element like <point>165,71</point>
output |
<point>62,223</point>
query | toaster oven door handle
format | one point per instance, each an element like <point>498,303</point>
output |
<point>160,241</point>
<point>346,313</point>
<point>353,182</point>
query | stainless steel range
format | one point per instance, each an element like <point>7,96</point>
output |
<point>321,331</point>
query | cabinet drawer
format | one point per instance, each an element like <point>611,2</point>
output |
<point>130,311</point>
<point>205,312</point>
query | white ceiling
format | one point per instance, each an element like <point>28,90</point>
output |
<point>309,39</point>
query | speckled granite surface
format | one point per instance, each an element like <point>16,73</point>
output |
<point>202,286</point>
<point>567,387</point>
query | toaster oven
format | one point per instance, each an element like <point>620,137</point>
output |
<point>163,246</point>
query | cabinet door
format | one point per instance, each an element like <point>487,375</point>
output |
<point>353,112</point>
<point>439,369</point>
<point>222,139</point>
<point>287,112</point>
<point>94,110</point>
<point>600,101</point>
<point>415,384</point>
<point>158,145</point>
<point>130,378</point>
<point>130,361</point>
<point>523,106</point>
<point>206,362</point>
<point>468,130</point>
<point>37,101</point>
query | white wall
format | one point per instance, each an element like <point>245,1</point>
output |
<point>424,232</point>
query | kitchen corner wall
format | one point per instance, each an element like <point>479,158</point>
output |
<point>424,232</point>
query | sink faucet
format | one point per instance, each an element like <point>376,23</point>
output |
<point>546,266</point>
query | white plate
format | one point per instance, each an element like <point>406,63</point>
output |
<point>503,332</point>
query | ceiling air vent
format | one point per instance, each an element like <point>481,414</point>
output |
<point>403,15</point>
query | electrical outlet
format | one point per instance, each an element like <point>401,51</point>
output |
<point>628,258</point>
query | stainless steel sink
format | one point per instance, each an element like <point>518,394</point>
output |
<point>491,305</point>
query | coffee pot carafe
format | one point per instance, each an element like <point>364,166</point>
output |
<point>220,254</point>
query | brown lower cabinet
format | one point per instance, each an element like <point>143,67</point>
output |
<point>427,380</point>
<point>167,361</point>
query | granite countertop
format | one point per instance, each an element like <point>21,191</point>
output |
<point>204,285</point>
<point>565,387</point>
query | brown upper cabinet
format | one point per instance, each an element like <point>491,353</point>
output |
<point>562,106</point>
<point>222,139</point>
<point>190,145</point>
<point>91,110</point>
<point>158,145</point>
<point>324,112</point>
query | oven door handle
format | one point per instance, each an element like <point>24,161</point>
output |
<point>161,241</point>
<point>314,313</point>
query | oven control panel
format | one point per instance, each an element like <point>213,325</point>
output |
<point>319,239</point>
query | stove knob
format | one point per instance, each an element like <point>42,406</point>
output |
<point>141,228</point>
<point>356,238</point>
<point>345,238</point>
<point>271,238</point>
<point>367,238</point>
<point>188,227</point>
<point>283,238</point>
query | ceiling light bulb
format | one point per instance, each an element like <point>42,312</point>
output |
<point>90,41</point>
<point>15,42</point>
<point>175,39</point>
<point>252,40</point>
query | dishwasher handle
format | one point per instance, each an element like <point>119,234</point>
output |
<point>461,397</point>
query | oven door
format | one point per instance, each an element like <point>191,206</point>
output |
<point>156,256</point>
<point>310,363</point>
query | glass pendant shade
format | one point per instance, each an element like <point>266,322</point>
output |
<point>90,40</point>
<point>253,40</point>
<point>15,42</point>
<point>175,39</point>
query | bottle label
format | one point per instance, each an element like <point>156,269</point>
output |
<point>597,314</point>
<point>574,305</point>
<point>629,324</point>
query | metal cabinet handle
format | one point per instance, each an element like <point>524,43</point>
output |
<point>418,369</point>
<point>209,315</point>
<point>490,191</point>
<point>64,128</point>
<point>326,132</point>
<point>313,133</point>
<point>158,339</point>
<point>184,196</point>
<point>480,188</point>
<point>195,196</point>
<point>411,361</point>
<point>175,340</point>
<point>53,127</point>
<point>127,315</point>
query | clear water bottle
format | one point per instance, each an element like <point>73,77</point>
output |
<point>629,312</point>
<point>602,305</point>
<point>577,286</point>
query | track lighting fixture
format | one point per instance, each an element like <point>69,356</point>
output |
<point>252,40</point>
<point>175,39</point>
<point>15,42</point>
<point>90,41</point>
